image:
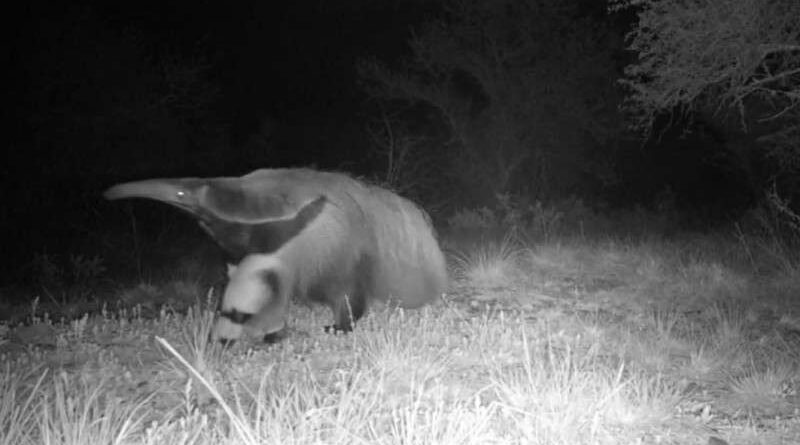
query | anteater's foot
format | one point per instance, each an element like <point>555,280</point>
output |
<point>338,329</point>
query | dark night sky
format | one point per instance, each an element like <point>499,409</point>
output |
<point>289,58</point>
<point>292,60</point>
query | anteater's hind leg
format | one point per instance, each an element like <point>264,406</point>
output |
<point>347,311</point>
<point>348,306</point>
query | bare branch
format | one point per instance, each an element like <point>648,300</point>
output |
<point>724,52</point>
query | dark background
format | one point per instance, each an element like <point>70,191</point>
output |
<point>106,92</point>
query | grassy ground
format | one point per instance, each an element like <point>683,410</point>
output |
<point>691,340</point>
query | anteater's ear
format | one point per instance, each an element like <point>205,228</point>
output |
<point>231,269</point>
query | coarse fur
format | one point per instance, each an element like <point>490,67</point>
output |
<point>341,242</point>
<point>367,244</point>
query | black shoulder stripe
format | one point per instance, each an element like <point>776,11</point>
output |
<point>236,316</point>
<point>232,201</point>
<point>239,239</point>
<point>272,280</point>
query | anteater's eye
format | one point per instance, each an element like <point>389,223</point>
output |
<point>181,194</point>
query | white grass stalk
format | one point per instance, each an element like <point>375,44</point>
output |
<point>241,428</point>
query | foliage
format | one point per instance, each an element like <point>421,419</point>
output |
<point>725,54</point>
<point>407,167</point>
<point>481,218</point>
<point>76,271</point>
<point>517,216</point>
<point>734,62</point>
<point>521,88</point>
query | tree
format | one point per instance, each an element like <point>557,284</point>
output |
<point>736,63</point>
<point>717,55</point>
<point>728,54</point>
<point>523,89</point>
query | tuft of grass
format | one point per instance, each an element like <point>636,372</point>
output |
<point>18,404</point>
<point>563,394</point>
<point>78,412</point>
<point>762,389</point>
<point>65,409</point>
<point>729,322</point>
<point>443,422</point>
<point>704,362</point>
<point>206,356</point>
<point>195,335</point>
<point>666,322</point>
<point>493,264</point>
<point>239,423</point>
